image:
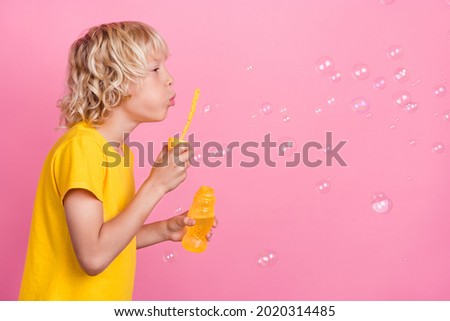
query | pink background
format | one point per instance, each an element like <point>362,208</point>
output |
<point>329,246</point>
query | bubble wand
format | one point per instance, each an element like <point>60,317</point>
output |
<point>191,113</point>
<point>172,141</point>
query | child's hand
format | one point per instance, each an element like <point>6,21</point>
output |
<point>169,169</point>
<point>176,227</point>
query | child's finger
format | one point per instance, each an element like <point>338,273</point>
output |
<point>188,221</point>
<point>208,236</point>
<point>215,223</point>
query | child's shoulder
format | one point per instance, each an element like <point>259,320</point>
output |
<point>81,136</point>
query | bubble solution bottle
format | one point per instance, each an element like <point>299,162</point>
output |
<point>202,211</point>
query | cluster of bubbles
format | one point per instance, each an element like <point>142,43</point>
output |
<point>266,109</point>
<point>267,258</point>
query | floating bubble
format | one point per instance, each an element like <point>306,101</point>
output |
<point>336,76</point>
<point>198,157</point>
<point>267,258</point>
<point>387,2</point>
<point>401,98</point>
<point>325,65</point>
<point>381,203</point>
<point>438,147</point>
<point>207,108</point>
<point>360,105</point>
<point>286,146</point>
<point>413,142</point>
<point>286,118</point>
<point>446,115</point>
<point>323,186</point>
<point>409,178</point>
<point>318,111</point>
<point>417,82</point>
<point>360,71</point>
<point>169,256</point>
<point>331,101</point>
<point>411,107</point>
<point>436,114</point>
<point>249,68</point>
<point>440,90</point>
<point>395,52</point>
<point>266,109</point>
<point>283,110</point>
<point>178,210</point>
<point>401,75</point>
<point>393,126</point>
<point>368,115</point>
<point>379,83</point>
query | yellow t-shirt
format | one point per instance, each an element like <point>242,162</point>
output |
<point>52,271</point>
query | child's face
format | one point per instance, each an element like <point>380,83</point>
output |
<point>150,102</point>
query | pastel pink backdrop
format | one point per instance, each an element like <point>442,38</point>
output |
<point>327,246</point>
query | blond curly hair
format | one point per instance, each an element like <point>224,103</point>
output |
<point>101,66</point>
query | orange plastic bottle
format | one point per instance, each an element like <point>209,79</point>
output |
<point>202,211</point>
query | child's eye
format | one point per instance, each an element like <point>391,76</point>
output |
<point>155,69</point>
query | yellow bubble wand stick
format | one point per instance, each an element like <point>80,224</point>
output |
<point>172,141</point>
<point>191,113</point>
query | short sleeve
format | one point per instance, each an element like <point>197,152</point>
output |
<point>79,164</point>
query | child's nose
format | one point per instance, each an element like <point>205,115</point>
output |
<point>170,80</point>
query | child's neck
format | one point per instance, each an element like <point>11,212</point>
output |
<point>115,128</point>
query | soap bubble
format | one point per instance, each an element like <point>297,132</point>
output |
<point>393,126</point>
<point>411,107</point>
<point>267,258</point>
<point>387,2</point>
<point>331,101</point>
<point>380,203</point>
<point>401,98</point>
<point>178,210</point>
<point>286,118</point>
<point>286,146</point>
<point>323,186</point>
<point>446,115</point>
<point>360,71</point>
<point>417,82</point>
<point>249,68</point>
<point>169,256</point>
<point>395,52</point>
<point>318,111</point>
<point>206,108</point>
<point>438,147</point>
<point>336,76</point>
<point>325,65</point>
<point>368,115</point>
<point>440,90</point>
<point>360,105</point>
<point>379,83</point>
<point>401,75</point>
<point>198,157</point>
<point>266,109</point>
<point>209,107</point>
<point>413,142</point>
<point>283,110</point>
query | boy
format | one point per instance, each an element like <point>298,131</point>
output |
<point>87,219</point>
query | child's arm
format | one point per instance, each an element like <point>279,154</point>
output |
<point>97,243</point>
<point>172,229</point>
